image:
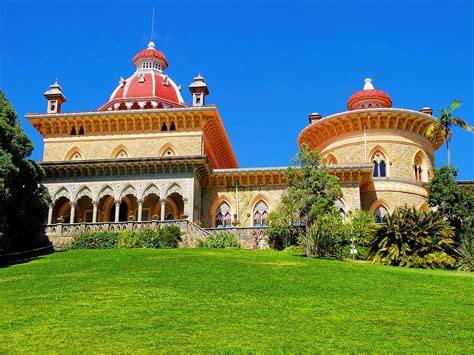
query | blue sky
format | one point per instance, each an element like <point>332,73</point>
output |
<point>267,64</point>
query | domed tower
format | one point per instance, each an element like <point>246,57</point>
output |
<point>148,88</point>
<point>391,141</point>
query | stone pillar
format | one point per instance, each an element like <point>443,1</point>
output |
<point>162,210</point>
<point>94,211</point>
<point>73,212</point>
<point>140,209</point>
<point>117,210</point>
<point>186,208</point>
<point>50,213</point>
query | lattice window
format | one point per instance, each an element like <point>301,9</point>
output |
<point>223,216</point>
<point>379,214</point>
<point>260,214</point>
<point>380,165</point>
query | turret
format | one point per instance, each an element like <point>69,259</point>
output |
<point>55,98</point>
<point>199,91</point>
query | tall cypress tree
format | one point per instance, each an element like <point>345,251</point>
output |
<point>23,199</point>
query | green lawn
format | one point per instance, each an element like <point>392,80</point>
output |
<point>229,300</point>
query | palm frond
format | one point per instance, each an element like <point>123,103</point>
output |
<point>456,104</point>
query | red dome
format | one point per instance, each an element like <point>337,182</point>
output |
<point>151,53</point>
<point>148,87</point>
<point>369,98</point>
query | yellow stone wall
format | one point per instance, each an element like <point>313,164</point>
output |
<point>213,196</point>
<point>393,194</point>
<point>140,145</point>
<point>400,148</point>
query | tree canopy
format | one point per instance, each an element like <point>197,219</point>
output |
<point>23,199</point>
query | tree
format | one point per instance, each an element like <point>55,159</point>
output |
<point>453,202</point>
<point>23,200</point>
<point>311,191</point>
<point>413,238</point>
<point>442,126</point>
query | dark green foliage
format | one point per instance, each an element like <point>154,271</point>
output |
<point>23,200</point>
<point>413,238</point>
<point>360,226</point>
<point>222,239</point>
<point>452,201</point>
<point>326,235</point>
<point>465,254</point>
<point>167,237</point>
<point>281,233</point>
<point>311,194</point>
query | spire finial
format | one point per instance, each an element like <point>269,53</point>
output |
<point>152,24</point>
<point>368,84</point>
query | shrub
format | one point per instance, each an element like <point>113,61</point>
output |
<point>281,234</point>
<point>167,237</point>
<point>360,226</point>
<point>413,238</point>
<point>325,236</point>
<point>221,240</point>
<point>465,254</point>
<point>95,240</point>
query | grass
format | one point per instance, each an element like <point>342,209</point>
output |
<point>229,300</point>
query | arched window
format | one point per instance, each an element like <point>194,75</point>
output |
<point>169,217</point>
<point>172,127</point>
<point>380,165</point>
<point>164,127</point>
<point>379,214</point>
<point>81,131</point>
<point>418,165</point>
<point>260,214</point>
<point>223,217</point>
<point>73,131</point>
<point>341,208</point>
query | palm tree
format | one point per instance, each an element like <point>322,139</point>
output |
<point>442,126</point>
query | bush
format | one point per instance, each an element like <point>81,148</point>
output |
<point>413,238</point>
<point>95,240</point>
<point>360,227</point>
<point>465,254</point>
<point>167,237</point>
<point>220,240</point>
<point>325,236</point>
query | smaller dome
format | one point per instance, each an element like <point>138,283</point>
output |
<point>150,54</point>
<point>369,97</point>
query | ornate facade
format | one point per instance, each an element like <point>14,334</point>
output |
<point>146,155</point>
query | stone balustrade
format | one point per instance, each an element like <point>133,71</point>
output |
<point>249,237</point>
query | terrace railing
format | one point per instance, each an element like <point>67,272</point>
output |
<point>250,237</point>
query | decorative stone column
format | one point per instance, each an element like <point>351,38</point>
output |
<point>140,210</point>
<point>95,204</point>
<point>73,212</point>
<point>186,208</point>
<point>162,210</point>
<point>50,213</point>
<point>117,210</point>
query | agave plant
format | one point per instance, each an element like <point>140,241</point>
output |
<point>465,254</point>
<point>413,238</point>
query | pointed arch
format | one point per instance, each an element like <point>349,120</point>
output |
<point>260,211</point>
<point>62,192</point>
<point>74,154</point>
<point>420,166</point>
<point>128,189</point>
<point>379,157</point>
<point>167,150</point>
<point>83,191</point>
<point>151,189</point>
<point>221,211</point>
<point>120,152</point>
<point>341,208</point>
<point>331,159</point>
<point>174,188</point>
<point>106,191</point>
<point>379,210</point>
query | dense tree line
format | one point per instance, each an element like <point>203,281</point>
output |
<point>23,199</point>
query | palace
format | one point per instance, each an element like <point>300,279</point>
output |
<point>145,155</point>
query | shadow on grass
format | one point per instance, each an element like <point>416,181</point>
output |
<point>23,257</point>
